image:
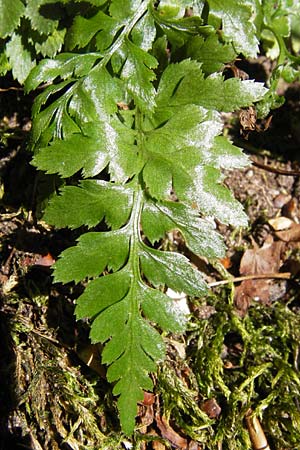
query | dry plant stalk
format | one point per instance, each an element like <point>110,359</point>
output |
<point>256,432</point>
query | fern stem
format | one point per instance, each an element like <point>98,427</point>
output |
<point>125,32</point>
<point>135,234</point>
<point>133,262</point>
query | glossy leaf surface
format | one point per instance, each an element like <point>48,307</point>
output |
<point>137,138</point>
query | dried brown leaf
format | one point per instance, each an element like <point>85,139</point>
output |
<point>149,398</point>
<point>281,223</point>
<point>293,234</point>
<point>170,434</point>
<point>146,417</point>
<point>290,209</point>
<point>261,260</point>
<point>257,261</point>
<point>249,290</point>
<point>193,445</point>
<point>156,445</point>
<point>211,408</point>
<point>46,260</point>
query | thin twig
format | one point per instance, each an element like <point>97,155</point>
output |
<point>283,275</point>
<point>247,146</point>
<point>294,173</point>
<point>15,88</point>
<point>11,88</point>
<point>44,336</point>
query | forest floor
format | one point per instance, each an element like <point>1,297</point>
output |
<point>240,354</point>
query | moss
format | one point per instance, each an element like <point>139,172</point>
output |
<point>242,363</point>
<point>53,403</point>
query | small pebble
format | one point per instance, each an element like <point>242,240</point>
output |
<point>281,200</point>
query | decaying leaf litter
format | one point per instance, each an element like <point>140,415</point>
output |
<point>239,354</point>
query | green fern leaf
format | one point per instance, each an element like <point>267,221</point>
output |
<point>89,203</point>
<point>100,25</point>
<point>94,253</point>
<point>52,45</point>
<point>172,19</point>
<point>11,13</point>
<point>102,293</point>
<point>138,76</point>
<point>19,58</point>
<point>69,156</point>
<point>64,66</point>
<point>171,269</point>
<point>162,310</point>
<point>237,25</point>
<point>43,16</point>
<point>199,234</point>
<point>155,133</point>
<point>210,52</point>
<point>210,196</point>
<point>185,80</point>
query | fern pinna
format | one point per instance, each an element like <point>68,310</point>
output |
<point>127,105</point>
